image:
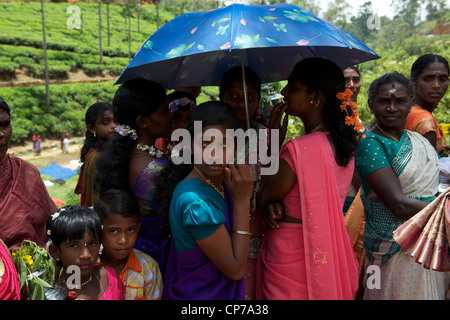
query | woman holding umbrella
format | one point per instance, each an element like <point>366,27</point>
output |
<point>308,254</point>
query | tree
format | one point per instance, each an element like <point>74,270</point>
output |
<point>44,45</point>
<point>337,13</point>
<point>436,9</point>
<point>359,23</point>
<point>100,30</point>
<point>408,11</point>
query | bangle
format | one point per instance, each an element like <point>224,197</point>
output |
<point>242,232</point>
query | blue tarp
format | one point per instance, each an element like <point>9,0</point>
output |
<point>56,171</point>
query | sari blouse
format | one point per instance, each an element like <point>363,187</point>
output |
<point>423,121</point>
<point>196,212</point>
<point>415,163</point>
<point>154,233</point>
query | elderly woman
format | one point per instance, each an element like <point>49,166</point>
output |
<point>399,173</point>
<point>25,204</point>
<point>430,78</point>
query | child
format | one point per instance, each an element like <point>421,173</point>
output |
<point>119,212</point>
<point>75,236</point>
<point>100,125</point>
<point>209,221</point>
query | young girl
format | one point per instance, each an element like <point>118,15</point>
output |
<point>309,254</point>
<point>209,208</point>
<point>119,212</point>
<point>75,236</point>
<point>100,124</point>
<point>130,161</point>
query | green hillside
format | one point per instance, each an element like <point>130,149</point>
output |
<point>78,79</point>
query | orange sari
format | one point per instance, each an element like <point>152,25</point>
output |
<point>423,121</point>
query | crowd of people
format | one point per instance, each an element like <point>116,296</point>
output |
<point>150,228</point>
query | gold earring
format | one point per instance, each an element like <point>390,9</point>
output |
<point>317,104</point>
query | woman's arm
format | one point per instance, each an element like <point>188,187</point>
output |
<point>384,182</point>
<point>274,189</point>
<point>227,252</point>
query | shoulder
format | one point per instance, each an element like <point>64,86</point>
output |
<point>197,205</point>
<point>144,259</point>
<point>24,165</point>
<point>146,262</point>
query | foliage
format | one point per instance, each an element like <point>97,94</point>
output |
<point>64,115</point>
<point>36,269</point>
<point>398,40</point>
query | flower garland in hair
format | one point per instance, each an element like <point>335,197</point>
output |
<point>125,131</point>
<point>183,103</point>
<point>350,120</point>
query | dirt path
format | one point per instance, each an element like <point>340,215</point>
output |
<point>50,152</point>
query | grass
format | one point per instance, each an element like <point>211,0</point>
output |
<point>63,192</point>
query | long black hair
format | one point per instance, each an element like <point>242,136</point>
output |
<point>91,141</point>
<point>209,113</point>
<point>133,98</point>
<point>325,76</point>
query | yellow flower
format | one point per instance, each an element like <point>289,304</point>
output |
<point>28,259</point>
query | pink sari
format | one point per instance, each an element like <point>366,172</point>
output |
<point>313,260</point>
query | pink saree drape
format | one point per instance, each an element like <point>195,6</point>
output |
<point>425,235</point>
<point>327,268</point>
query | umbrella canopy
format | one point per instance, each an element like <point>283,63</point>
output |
<point>195,49</point>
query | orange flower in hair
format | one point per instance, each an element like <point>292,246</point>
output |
<point>350,120</point>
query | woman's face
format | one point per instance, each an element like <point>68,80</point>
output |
<point>297,97</point>
<point>5,132</point>
<point>161,121</point>
<point>353,82</point>
<point>432,83</point>
<point>391,105</point>
<point>213,151</point>
<point>234,96</point>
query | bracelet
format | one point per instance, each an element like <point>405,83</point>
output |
<point>247,233</point>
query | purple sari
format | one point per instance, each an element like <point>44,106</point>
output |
<point>154,234</point>
<point>190,275</point>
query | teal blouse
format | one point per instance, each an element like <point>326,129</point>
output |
<point>375,152</point>
<point>196,212</point>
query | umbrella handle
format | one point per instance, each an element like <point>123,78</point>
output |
<point>245,92</point>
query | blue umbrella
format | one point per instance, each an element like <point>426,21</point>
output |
<point>195,49</point>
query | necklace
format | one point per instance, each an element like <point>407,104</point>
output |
<point>320,126</point>
<point>151,150</point>
<point>79,286</point>
<point>209,182</point>
<point>386,134</point>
